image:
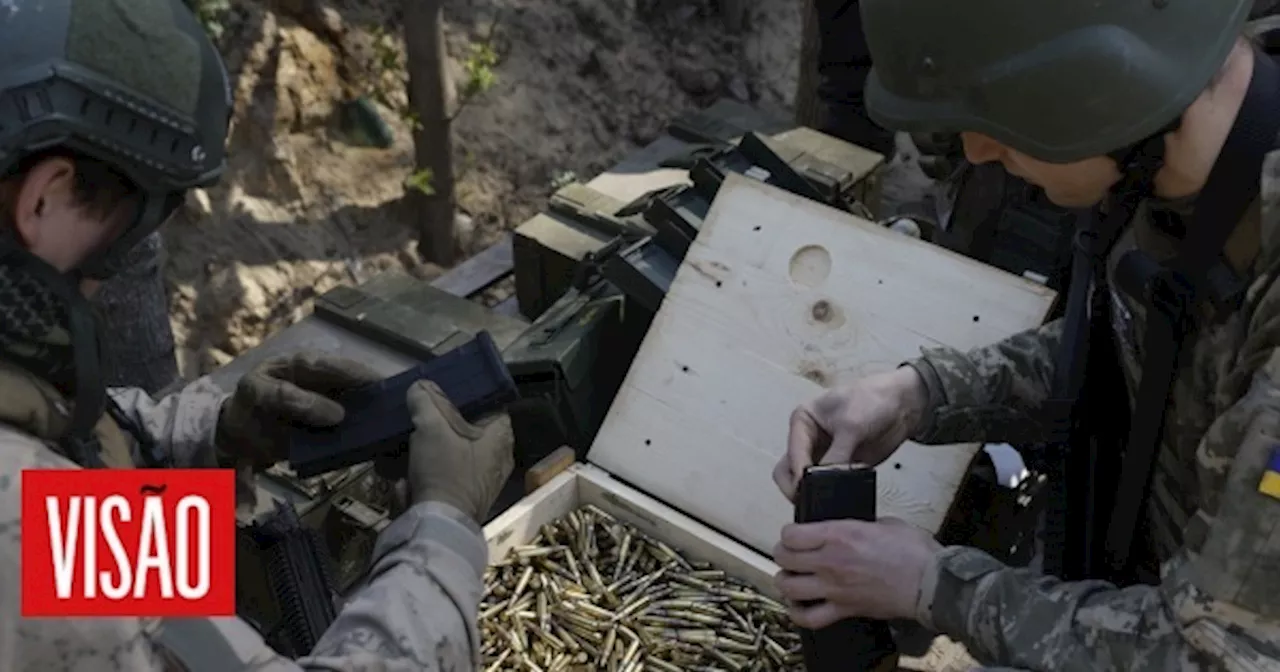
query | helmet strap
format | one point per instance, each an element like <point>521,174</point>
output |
<point>1138,163</point>
<point>153,209</point>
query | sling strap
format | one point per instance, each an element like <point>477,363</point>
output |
<point>1172,291</point>
<point>1074,501</point>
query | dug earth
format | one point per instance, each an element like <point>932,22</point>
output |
<point>307,205</point>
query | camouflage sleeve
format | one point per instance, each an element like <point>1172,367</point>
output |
<point>1022,619</point>
<point>1217,599</point>
<point>54,643</point>
<point>1019,618</point>
<point>998,386</point>
<point>419,606</point>
<point>417,611</point>
<point>181,424</point>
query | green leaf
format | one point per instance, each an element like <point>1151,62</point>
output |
<point>421,181</point>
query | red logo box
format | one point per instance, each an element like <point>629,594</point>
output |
<point>128,542</point>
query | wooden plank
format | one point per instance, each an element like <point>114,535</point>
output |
<point>778,298</point>
<point>520,523</point>
<point>479,272</point>
<point>548,468</point>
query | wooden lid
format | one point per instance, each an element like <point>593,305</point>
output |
<point>778,298</point>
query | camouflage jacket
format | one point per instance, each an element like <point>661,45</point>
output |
<point>417,610</point>
<point>1217,535</point>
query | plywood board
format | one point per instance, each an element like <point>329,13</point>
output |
<point>778,298</point>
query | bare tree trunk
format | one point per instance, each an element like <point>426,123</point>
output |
<point>807,106</point>
<point>433,100</point>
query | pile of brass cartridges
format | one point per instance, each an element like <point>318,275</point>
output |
<point>591,593</point>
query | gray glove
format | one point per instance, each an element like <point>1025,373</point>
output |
<point>453,461</point>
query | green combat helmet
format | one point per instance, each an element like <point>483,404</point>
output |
<point>1058,81</point>
<point>133,84</point>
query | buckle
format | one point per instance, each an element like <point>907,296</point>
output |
<point>1088,242</point>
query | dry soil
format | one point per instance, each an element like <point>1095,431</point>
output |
<point>304,206</point>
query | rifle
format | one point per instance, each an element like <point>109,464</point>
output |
<point>299,573</point>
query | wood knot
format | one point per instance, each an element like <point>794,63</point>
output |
<point>816,376</point>
<point>822,311</point>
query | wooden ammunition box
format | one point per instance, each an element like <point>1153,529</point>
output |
<point>778,298</point>
<point>583,484</point>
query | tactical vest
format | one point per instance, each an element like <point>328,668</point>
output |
<point>32,405</point>
<point>1174,509</point>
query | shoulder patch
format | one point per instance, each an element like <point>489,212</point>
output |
<point>1270,484</point>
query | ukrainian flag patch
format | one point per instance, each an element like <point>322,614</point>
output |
<point>1270,484</point>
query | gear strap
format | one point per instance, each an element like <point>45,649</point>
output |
<point>78,442</point>
<point>1074,499</point>
<point>1172,291</point>
<point>1074,458</point>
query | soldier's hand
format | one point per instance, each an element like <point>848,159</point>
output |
<point>853,568</point>
<point>862,422</point>
<point>279,394</point>
<point>453,461</point>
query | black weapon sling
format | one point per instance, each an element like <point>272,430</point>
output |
<point>1075,458</point>
<point>1170,292</point>
<point>1080,456</point>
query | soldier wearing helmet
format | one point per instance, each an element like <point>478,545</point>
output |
<point>110,110</point>
<point>1156,122</point>
<point>975,199</point>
